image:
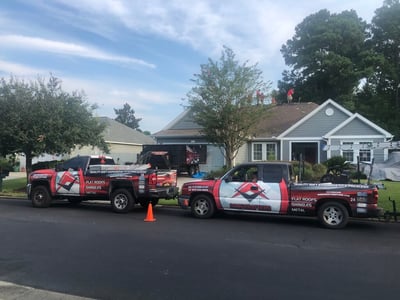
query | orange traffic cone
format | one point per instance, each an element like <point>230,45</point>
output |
<point>149,217</point>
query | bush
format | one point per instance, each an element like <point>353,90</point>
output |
<point>318,171</point>
<point>6,164</point>
<point>217,173</point>
<point>336,161</point>
<point>309,172</point>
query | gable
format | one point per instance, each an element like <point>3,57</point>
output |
<point>319,123</point>
<point>358,125</point>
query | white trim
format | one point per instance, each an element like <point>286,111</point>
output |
<point>123,143</point>
<point>264,156</point>
<point>314,112</point>
<point>314,138</point>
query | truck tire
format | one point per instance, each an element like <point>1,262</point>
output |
<point>333,215</point>
<point>122,201</point>
<point>40,197</point>
<point>202,207</point>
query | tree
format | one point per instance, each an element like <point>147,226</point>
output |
<point>38,117</point>
<point>224,102</point>
<point>379,99</point>
<point>126,116</point>
<point>326,56</point>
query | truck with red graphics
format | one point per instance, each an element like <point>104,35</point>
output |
<point>270,188</point>
<point>84,178</point>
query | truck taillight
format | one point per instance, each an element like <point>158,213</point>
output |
<point>375,195</point>
<point>153,179</point>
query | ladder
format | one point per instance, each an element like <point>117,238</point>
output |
<point>364,146</point>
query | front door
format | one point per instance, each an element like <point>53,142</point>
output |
<point>305,151</point>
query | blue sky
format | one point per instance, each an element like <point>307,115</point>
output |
<point>145,52</point>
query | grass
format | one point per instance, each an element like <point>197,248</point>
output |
<point>17,187</point>
<point>14,188</point>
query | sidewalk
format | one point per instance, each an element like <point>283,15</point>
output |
<point>10,291</point>
<point>14,175</point>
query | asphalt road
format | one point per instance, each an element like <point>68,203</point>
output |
<point>67,252</point>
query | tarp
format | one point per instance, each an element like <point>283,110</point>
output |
<point>388,170</point>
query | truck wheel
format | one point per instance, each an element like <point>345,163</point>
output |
<point>202,207</point>
<point>122,201</point>
<point>40,197</point>
<point>333,215</point>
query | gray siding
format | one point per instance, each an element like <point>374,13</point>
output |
<point>319,124</point>
<point>215,160</point>
<point>377,154</point>
<point>286,155</point>
<point>357,127</point>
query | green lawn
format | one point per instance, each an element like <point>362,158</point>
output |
<point>16,188</point>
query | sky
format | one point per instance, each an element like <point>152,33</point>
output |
<point>146,52</point>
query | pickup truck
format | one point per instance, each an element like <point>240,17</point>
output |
<point>99,178</point>
<point>270,188</point>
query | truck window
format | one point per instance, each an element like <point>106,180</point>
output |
<point>101,161</point>
<point>245,174</point>
<point>73,164</point>
<point>273,173</point>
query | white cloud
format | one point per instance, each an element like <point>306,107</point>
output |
<point>10,68</point>
<point>40,44</point>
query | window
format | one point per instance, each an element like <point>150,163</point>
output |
<point>365,154</point>
<point>348,154</point>
<point>264,151</point>
<point>257,152</point>
<point>357,149</point>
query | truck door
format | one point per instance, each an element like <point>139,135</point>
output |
<point>274,188</point>
<point>69,179</point>
<point>239,189</point>
<point>254,188</point>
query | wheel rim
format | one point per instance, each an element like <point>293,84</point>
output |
<point>201,207</point>
<point>332,215</point>
<point>120,201</point>
<point>38,197</point>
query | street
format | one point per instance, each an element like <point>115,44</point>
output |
<point>89,251</point>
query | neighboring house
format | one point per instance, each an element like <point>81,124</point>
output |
<point>289,132</point>
<point>125,143</point>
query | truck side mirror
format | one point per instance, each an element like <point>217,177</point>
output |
<point>228,178</point>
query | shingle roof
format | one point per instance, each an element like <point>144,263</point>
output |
<point>281,117</point>
<point>116,132</point>
<point>277,119</point>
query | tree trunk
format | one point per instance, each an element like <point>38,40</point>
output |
<point>28,164</point>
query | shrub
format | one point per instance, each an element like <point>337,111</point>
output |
<point>216,173</point>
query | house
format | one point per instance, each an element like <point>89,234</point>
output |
<point>125,143</point>
<point>289,132</point>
